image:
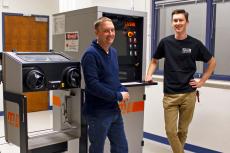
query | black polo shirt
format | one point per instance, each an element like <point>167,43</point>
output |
<point>180,62</point>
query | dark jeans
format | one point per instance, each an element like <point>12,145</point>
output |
<point>104,125</point>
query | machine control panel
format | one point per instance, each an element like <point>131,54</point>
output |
<point>129,44</point>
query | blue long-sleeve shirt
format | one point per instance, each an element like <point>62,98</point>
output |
<point>101,74</point>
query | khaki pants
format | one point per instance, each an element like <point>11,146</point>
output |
<point>176,130</point>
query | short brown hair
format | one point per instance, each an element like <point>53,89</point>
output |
<point>101,20</point>
<point>180,11</point>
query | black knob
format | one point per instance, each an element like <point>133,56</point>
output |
<point>35,80</point>
<point>72,77</point>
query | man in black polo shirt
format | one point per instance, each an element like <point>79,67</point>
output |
<point>181,52</point>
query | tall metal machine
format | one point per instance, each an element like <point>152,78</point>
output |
<point>73,32</point>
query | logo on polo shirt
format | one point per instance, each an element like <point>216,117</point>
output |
<point>186,50</point>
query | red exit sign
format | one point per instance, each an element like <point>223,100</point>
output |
<point>72,36</point>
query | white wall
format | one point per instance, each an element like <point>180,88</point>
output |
<point>74,4</point>
<point>27,7</point>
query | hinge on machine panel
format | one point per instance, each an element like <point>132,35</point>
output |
<point>144,96</point>
<point>142,143</point>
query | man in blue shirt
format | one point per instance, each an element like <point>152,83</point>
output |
<point>103,91</point>
<point>181,52</point>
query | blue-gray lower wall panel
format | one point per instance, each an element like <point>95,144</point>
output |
<point>188,147</point>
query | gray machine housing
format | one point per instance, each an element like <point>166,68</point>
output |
<point>48,78</point>
<point>81,21</point>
